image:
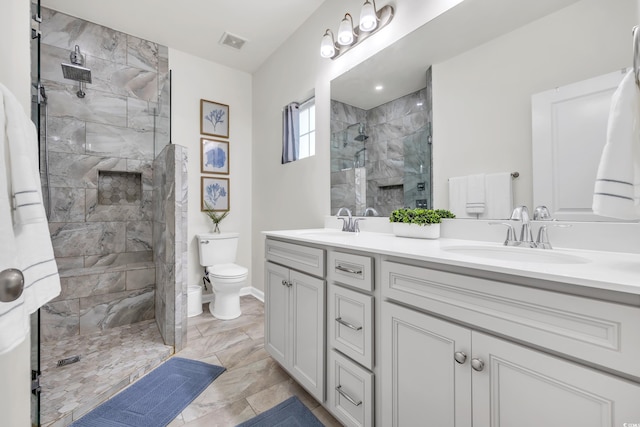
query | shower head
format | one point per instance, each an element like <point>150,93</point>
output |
<point>76,72</point>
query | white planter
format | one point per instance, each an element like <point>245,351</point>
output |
<point>427,231</point>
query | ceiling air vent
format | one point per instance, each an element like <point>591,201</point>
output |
<point>231,40</point>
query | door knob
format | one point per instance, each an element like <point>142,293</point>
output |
<point>460,357</point>
<point>477,364</point>
<point>11,284</point>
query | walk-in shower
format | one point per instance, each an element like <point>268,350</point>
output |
<point>77,71</point>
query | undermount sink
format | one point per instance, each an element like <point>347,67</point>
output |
<point>515,254</point>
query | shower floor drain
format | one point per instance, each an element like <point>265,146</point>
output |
<point>68,361</point>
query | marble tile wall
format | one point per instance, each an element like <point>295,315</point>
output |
<point>397,152</point>
<point>104,251</point>
<point>170,244</point>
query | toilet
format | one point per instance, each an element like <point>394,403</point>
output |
<point>217,256</point>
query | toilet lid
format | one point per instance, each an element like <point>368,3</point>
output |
<point>227,270</point>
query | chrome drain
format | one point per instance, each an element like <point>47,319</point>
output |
<point>68,361</point>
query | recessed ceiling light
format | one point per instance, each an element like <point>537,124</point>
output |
<point>379,87</point>
<point>419,104</point>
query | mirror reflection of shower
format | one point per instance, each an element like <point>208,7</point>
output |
<point>353,139</point>
<point>77,71</point>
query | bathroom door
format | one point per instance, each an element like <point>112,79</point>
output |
<point>569,131</point>
<point>36,117</point>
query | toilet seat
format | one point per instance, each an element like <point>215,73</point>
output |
<point>227,271</point>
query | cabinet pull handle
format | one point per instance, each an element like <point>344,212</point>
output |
<point>347,324</point>
<point>284,282</point>
<point>477,364</point>
<point>346,396</point>
<point>460,357</point>
<point>348,270</point>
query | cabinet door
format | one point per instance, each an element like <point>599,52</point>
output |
<point>276,312</point>
<point>422,384</point>
<point>526,388</point>
<point>308,332</point>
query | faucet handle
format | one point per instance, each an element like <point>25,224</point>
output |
<point>542,241</point>
<point>511,233</point>
<point>344,223</point>
<point>356,225</point>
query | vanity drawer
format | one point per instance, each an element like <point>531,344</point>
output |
<point>350,324</point>
<point>301,258</point>
<point>599,332</point>
<point>350,391</point>
<point>350,269</point>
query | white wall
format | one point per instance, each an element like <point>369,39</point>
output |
<point>297,195</point>
<point>488,89</point>
<point>194,79</point>
<point>15,70</point>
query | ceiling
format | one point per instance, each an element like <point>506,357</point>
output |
<point>196,26</point>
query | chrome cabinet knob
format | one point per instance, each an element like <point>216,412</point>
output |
<point>477,364</point>
<point>460,357</point>
<point>284,282</point>
<point>11,284</point>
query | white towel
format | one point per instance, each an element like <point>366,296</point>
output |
<point>458,196</point>
<point>24,232</point>
<point>499,196</point>
<point>617,188</point>
<point>475,194</point>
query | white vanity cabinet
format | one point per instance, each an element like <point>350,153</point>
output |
<point>437,372</point>
<point>295,312</point>
<point>350,338</point>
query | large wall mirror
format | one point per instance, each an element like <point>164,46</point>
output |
<point>456,99</point>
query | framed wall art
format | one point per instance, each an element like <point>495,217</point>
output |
<point>214,156</point>
<point>214,194</point>
<point>214,118</point>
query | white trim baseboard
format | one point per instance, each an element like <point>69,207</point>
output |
<point>250,290</point>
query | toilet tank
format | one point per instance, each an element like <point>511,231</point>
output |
<point>217,248</point>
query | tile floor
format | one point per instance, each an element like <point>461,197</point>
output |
<point>252,383</point>
<point>109,361</point>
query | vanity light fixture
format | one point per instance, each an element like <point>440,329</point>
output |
<point>368,17</point>
<point>346,35</point>
<point>371,20</point>
<point>328,46</point>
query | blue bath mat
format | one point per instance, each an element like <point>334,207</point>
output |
<point>290,413</point>
<point>157,398</point>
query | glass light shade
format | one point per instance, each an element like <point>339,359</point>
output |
<point>327,46</point>
<point>368,18</point>
<point>345,31</point>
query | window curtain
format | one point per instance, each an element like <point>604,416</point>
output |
<point>290,132</point>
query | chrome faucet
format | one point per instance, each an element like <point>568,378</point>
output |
<point>349,224</point>
<point>541,213</point>
<point>521,213</point>
<point>372,211</point>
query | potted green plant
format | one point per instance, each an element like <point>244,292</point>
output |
<point>418,223</point>
<point>215,217</point>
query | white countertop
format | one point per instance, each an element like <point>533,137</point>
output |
<point>612,271</point>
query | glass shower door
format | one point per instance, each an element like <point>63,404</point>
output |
<point>36,118</point>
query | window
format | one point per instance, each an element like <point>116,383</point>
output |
<point>307,129</point>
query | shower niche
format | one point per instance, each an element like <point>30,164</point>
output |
<point>119,188</point>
